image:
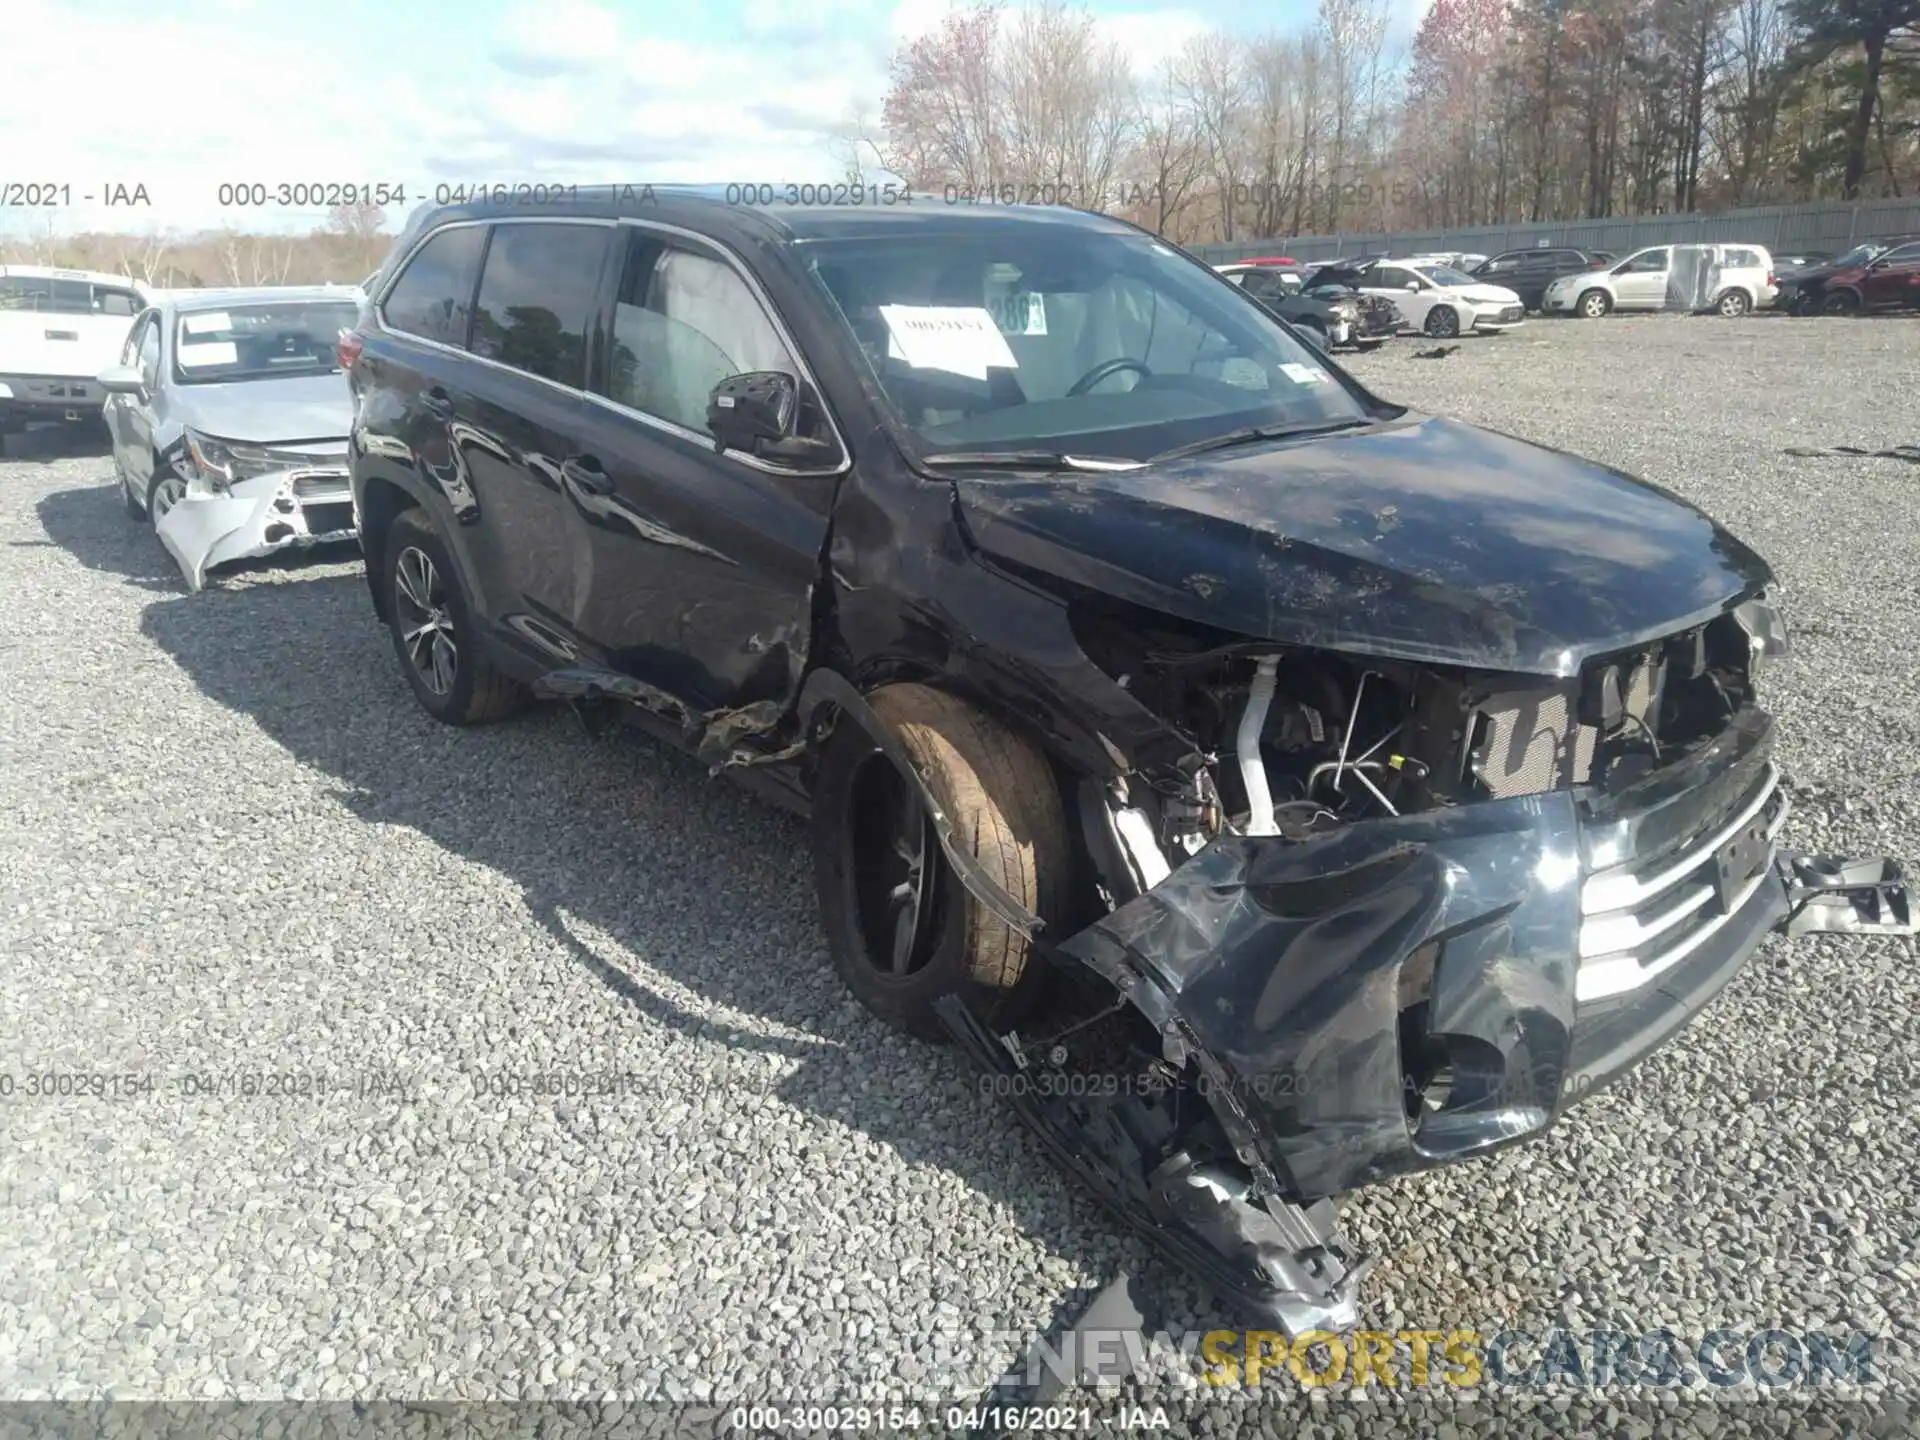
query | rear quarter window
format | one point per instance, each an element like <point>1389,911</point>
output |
<point>433,298</point>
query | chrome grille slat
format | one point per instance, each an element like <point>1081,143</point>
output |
<point>322,485</point>
<point>1619,889</point>
<point>1607,934</point>
<point>1657,922</point>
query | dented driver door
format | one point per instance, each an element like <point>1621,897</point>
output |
<point>693,569</point>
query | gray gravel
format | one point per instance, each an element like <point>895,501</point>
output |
<point>233,847</point>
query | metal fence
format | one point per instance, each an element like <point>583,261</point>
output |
<point>1780,228</point>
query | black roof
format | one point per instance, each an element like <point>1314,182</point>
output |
<point>724,211</point>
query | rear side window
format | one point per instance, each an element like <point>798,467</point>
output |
<point>433,296</point>
<point>115,302</point>
<point>50,296</point>
<point>539,294</point>
<point>1742,260</point>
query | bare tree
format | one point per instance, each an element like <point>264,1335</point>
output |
<point>1211,77</point>
<point>940,110</point>
<point>1353,34</point>
<point>1168,162</point>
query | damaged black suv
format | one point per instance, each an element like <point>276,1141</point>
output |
<point>1277,790</point>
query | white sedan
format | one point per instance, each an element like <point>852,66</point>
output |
<point>1440,300</point>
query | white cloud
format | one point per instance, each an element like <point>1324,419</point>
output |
<point>186,100</point>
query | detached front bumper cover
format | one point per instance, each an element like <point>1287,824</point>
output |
<point>256,517</point>
<point>1295,973</point>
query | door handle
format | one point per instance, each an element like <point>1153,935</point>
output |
<point>438,403</point>
<point>584,472</point>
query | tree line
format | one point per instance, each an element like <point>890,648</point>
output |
<point>344,249</point>
<point>1498,111</point>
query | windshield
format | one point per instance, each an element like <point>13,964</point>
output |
<point>1037,336</point>
<point>261,341</point>
<point>1445,275</point>
<point>1859,255</point>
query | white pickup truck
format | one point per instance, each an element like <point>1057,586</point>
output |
<point>58,330</point>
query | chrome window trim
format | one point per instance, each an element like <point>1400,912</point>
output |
<point>377,310</point>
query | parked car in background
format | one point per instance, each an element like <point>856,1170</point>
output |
<point>1887,281</point>
<point>1262,280</point>
<point>1375,318</point>
<point>1528,272</point>
<point>1725,279</point>
<point>58,328</point>
<point>1275,791</point>
<point>1465,261</point>
<point>1434,299</point>
<point>1803,289</point>
<point>229,412</point>
<point>1332,321</point>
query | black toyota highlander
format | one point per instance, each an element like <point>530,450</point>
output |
<point>1277,790</point>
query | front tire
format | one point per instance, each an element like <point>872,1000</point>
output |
<point>902,928</point>
<point>431,621</point>
<point>1841,302</point>
<point>1443,322</point>
<point>1593,304</point>
<point>164,491</point>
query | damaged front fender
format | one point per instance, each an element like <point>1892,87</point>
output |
<point>257,517</point>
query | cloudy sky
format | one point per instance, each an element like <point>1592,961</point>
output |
<point>185,95</point>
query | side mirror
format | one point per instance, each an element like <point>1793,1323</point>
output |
<point>121,380</point>
<point>758,413</point>
<point>1413,285</point>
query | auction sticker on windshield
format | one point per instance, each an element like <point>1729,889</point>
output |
<point>212,323</point>
<point>217,352</point>
<point>962,339</point>
<point>1302,374</point>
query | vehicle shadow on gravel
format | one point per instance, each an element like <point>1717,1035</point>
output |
<point>91,524</point>
<point>641,867</point>
<point>44,444</point>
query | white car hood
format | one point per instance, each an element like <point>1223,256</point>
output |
<point>1487,295</point>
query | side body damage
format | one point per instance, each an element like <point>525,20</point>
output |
<point>1415,777</point>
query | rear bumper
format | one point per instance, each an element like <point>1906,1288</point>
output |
<point>289,510</point>
<point>26,398</point>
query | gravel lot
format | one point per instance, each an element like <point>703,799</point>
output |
<point>234,846</point>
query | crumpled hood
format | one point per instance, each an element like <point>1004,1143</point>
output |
<point>268,412</point>
<point>1424,539</point>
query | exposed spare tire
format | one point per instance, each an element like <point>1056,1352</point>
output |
<point>902,928</point>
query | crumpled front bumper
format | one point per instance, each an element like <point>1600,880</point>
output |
<point>1407,992</point>
<point>287,510</point>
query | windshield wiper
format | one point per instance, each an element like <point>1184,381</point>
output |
<point>1028,460</point>
<point>1259,432</point>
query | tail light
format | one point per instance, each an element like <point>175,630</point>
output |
<point>1596,264</point>
<point>1770,277</point>
<point>352,342</point>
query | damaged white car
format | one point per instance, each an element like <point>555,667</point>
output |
<point>229,412</point>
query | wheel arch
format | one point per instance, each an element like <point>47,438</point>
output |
<point>382,496</point>
<point>829,697</point>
